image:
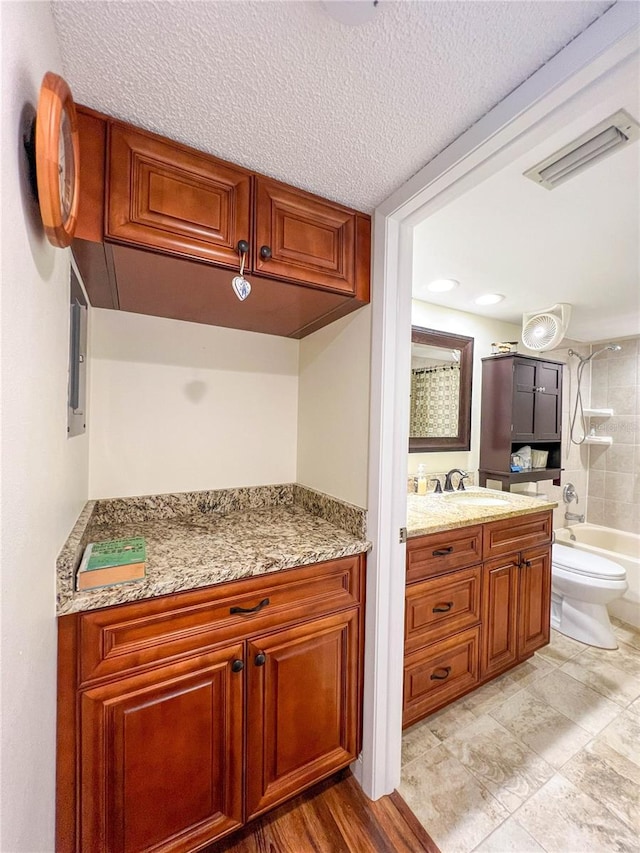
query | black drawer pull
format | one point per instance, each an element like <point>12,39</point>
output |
<point>442,552</point>
<point>237,666</point>
<point>255,609</point>
<point>445,608</point>
<point>526,564</point>
<point>447,670</point>
<point>260,659</point>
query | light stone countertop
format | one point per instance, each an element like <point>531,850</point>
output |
<point>235,534</point>
<point>433,513</point>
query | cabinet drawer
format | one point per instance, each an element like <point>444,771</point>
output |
<point>439,673</point>
<point>134,636</point>
<point>443,552</point>
<point>441,606</point>
<point>516,534</point>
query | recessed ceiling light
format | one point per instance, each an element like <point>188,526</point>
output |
<point>489,299</point>
<point>441,285</point>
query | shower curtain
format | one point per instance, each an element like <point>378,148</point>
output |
<point>434,401</point>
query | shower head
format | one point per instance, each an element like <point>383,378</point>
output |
<point>585,359</point>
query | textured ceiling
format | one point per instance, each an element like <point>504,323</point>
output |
<point>283,88</point>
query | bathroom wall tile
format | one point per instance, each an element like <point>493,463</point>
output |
<point>619,458</point>
<point>586,707</point>
<point>618,486</point>
<point>599,373</point>
<point>624,429</point>
<point>598,397</point>
<point>595,510</point>
<point>635,492</point>
<point>604,677</point>
<point>609,778</point>
<point>623,736</point>
<point>622,372</point>
<point>623,401</point>
<point>500,762</point>
<point>416,741</point>
<point>622,516</point>
<point>560,649</point>
<point>597,458</point>
<point>629,349</point>
<point>542,728</point>
<point>458,811</point>
<point>562,818</point>
<point>596,484</point>
<point>510,837</point>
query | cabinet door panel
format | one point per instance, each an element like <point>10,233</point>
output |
<point>534,601</point>
<point>165,196</point>
<point>516,534</point>
<point>548,415</point>
<point>311,240</point>
<point>524,399</point>
<point>302,708</point>
<point>161,757</point>
<point>439,673</point>
<point>499,608</point>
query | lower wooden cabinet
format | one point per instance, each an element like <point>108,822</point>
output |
<point>229,717</point>
<point>467,626</point>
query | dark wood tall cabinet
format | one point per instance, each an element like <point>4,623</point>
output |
<point>521,405</point>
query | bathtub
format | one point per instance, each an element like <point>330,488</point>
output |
<point>616,545</point>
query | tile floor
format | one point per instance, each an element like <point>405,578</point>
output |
<point>544,758</point>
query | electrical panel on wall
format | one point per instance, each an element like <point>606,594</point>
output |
<point>77,402</point>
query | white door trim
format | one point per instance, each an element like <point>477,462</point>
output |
<point>479,152</point>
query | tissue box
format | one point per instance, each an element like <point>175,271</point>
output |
<point>539,458</point>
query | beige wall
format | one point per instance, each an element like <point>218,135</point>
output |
<point>614,472</point>
<point>484,331</point>
<point>179,406</point>
<point>44,474</point>
<point>333,410</point>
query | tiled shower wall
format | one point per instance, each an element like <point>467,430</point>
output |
<point>575,458</point>
<point>614,472</point>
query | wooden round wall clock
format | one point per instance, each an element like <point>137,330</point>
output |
<point>57,160</point>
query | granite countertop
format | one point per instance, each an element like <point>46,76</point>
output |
<point>202,538</point>
<point>434,513</point>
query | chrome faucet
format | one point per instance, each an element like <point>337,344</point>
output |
<point>448,485</point>
<point>573,516</point>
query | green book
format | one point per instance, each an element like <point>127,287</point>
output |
<point>117,552</point>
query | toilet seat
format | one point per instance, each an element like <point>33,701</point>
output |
<point>583,563</point>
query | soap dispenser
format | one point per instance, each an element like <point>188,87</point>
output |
<point>421,480</point>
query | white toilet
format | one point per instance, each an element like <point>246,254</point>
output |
<point>582,585</point>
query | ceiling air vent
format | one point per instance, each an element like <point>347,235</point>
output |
<point>592,146</point>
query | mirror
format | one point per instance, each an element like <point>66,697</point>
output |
<point>440,405</point>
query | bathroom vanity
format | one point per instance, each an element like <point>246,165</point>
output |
<point>478,592</point>
<point>224,683</point>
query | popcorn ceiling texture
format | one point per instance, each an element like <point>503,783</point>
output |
<point>349,113</point>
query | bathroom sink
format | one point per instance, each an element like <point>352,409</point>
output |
<point>474,499</point>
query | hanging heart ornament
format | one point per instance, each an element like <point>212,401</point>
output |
<point>241,287</point>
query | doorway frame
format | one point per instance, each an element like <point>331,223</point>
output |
<point>484,149</point>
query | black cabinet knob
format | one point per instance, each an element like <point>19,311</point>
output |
<point>260,659</point>
<point>237,666</point>
<point>243,247</point>
<point>265,253</point>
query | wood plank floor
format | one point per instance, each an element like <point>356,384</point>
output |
<point>333,817</point>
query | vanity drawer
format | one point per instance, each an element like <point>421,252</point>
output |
<point>441,606</point>
<point>438,553</point>
<point>516,534</point>
<point>133,636</point>
<point>439,673</point>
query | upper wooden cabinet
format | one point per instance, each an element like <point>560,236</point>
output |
<point>304,238</point>
<point>159,226</point>
<point>521,405</point>
<point>165,196</point>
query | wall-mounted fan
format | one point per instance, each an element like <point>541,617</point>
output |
<point>543,330</point>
